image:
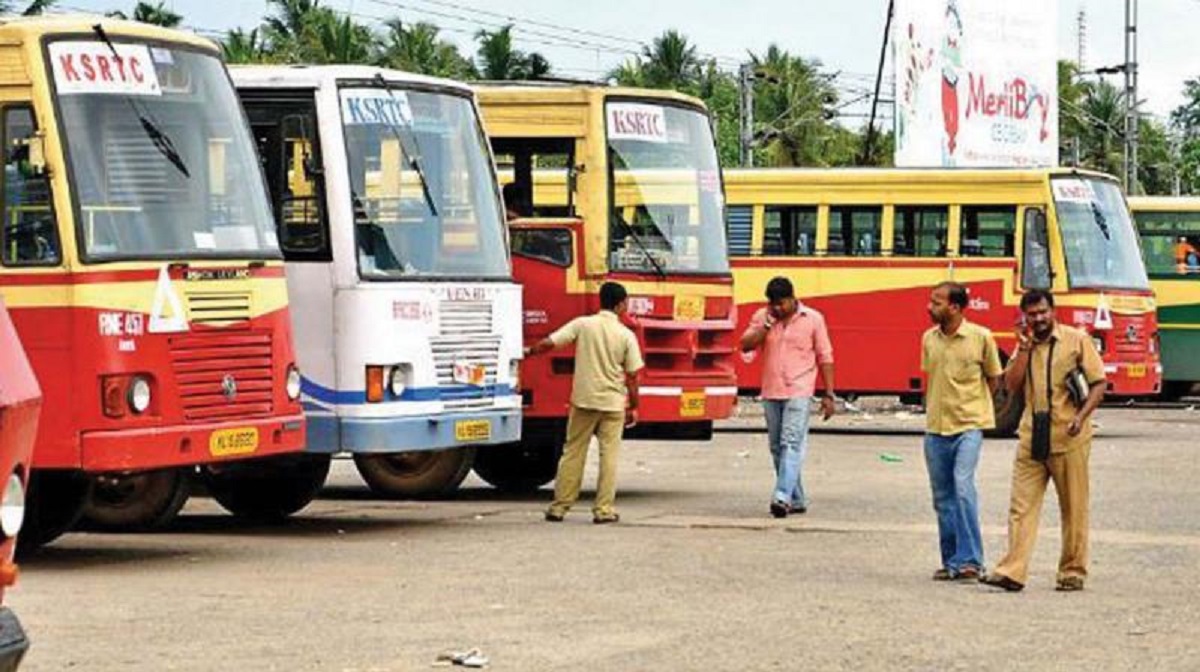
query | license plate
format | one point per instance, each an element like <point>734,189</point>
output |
<point>689,308</point>
<point>469,374</point>
<point>692,405</point>
<point>1137,370</point>
<point>239,441</point>
<point>472,430</point>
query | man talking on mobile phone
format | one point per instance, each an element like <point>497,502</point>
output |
<point>795,346</point>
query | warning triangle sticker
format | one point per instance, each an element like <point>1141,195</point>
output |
<point>1103,315</point>
<point>166,313</point>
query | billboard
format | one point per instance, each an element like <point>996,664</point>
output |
<point>976,83</point>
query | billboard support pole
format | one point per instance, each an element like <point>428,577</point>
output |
<point>869,141</point>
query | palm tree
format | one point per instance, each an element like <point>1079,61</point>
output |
<point>32,9</point>
<point>290,18</point>
<point>1103,112</point>
<point>242,47</point>
<point>145,12</point>
<point>793,106</point>
<point>339,40</point>
<point>496,58</point>
<point>417,48</point>
<point>670,62</point>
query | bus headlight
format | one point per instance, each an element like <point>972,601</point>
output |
<point>293,383</point>
<point>398,380</point>
<point>139,394</point>
<point>12,506</point>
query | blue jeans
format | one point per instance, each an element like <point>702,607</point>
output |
<point>787,433</point>
<point>951,461</point>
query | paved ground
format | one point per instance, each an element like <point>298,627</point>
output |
<point>696,576</point>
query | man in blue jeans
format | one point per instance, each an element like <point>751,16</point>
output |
<point>795,346</point>
<point>962,366</point>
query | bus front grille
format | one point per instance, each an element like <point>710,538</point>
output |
<point>223,376</point>
<point>218,308</point>
<point>466,318</point>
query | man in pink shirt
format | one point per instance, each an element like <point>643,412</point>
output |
<point>795,346</point>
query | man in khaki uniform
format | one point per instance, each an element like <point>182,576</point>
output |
<point>604,400</point>
<point>962,366</point>
<point>1048,352</point>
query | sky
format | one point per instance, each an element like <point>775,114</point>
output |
<point>587,38</point>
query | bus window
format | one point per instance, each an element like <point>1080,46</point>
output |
<point>29,234</point>
<point>1036,266</point>
<point>855,231</point>
<point>790,231</point>
<point>1170,241</point>
<point>544,163</point>
<point>988,231</point>
<point>552,246</point>
<point>921,231</point>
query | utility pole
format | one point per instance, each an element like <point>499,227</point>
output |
<point>1081,38</point>
<point>1131,101</point>
<point>869,141</point>
<point>746,115</point>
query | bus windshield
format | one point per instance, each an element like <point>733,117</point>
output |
<point>1099,242</point>
<point>160,157</point>
<point>1171,240</point>
<point>424,194</point>
<point>668,205</point>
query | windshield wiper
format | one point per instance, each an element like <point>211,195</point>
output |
<point>161,141</point>
<point>637,240</point>
<point>414,153</point>
<point>1101,221</point>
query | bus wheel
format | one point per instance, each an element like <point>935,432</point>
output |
<point>418,474</point>
<point>1009,408</point>
<point>55,503</point>
<point>267,490</point>
<point>519,468</point>
<point>142,501</point>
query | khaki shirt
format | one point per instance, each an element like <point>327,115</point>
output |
<point>1073,347</point>
<point>957,396</point>
<point>605,350</point>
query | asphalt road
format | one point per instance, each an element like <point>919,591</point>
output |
<point>697,576</point>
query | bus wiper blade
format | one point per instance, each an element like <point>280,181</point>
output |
<point>637,240</point>
<point>1101,221</point>
<point>159,139</point>
<point>414,156</point>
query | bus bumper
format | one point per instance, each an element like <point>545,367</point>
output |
<point>332,434</point>
<point>685,404</point>
<point>1133,379</point>
<point>13,642</point>
<point>185,445</point>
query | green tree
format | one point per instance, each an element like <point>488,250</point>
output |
<point>498,59</point>
<point>1185,121</point>
<point>418,48</point>
<point>670,61</point>
<point>330,39</point>
<point>1157,163</point>
<point>154,14</point>
<point>240,46</point>
<point>793,110</point>
<point>32,9</point>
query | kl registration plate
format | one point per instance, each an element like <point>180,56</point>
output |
<point>1137,370</point>
<point>689,308</point>
<point>692,405</point>
<point>472,430</point>
<point>238,441</point>
<point>469,374</point>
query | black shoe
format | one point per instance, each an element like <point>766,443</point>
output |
<point>797,509</point>
<point>1002,581</point>
<point>552,517</point>
<point>779,509</point>
<point>604,520</point>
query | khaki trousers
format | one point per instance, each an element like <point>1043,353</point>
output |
<point>582,425</point>
<point>1069,471</point>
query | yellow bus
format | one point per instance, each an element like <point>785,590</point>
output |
<point>864,246</point>
<point>1170,231</point>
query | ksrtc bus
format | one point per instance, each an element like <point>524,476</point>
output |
<point>408,321</point>
<point>1170,232</point>
<point>139,261</point>
<point>866,246</point>
<point>615,153</point>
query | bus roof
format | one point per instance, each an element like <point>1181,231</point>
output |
<point>899,175</point>
<point>283,76</point>
<point>32,28</point>
<point>518,92</point>
<point>1165,203</point>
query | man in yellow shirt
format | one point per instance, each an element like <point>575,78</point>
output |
<point>963,369</point>
<point>604,400</point>
<point>1048,353</point>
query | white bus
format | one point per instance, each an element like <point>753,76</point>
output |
<point>406,318</point>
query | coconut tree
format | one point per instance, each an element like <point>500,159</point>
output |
<point>240,46</point>
<point>32,9</point>
<point>497,58</point>
<point>794,104</point>
<point>670,61</point>
<point>418,48</point>
<point>155,14</point>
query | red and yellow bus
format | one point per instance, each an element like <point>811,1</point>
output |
<point>20,404</point>
<point>139,260</point>
<point>611,164</point>
<point>865,246</point>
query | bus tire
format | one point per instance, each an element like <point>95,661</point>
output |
<point>137,502</point>
<point>522,468</point>
<point>267,490</point>
<point>55,503</point>
<point>1009,409</point>
<point>420,474</point>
